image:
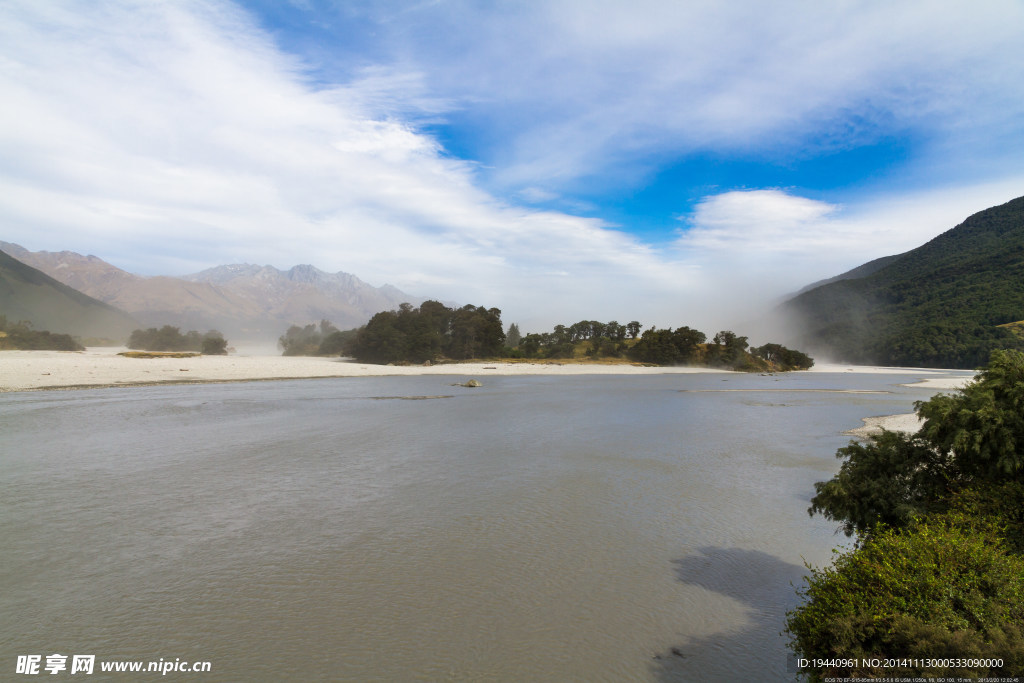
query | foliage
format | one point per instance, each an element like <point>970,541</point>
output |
<point>214,344</point>
<point>668,347</point>
<point>943,588</point>
<point>430,332</point>
<point>586,337</point>
<point>1001,503</point>
<point>938,570</point>
<point>983,425</point>
<point>969,438</point>
<point>169,338</point>
<point>513,336</point>
<point>306,341</point>
<point>940,305</point>
<point>727,350</point>
<point>782,358</point>
<point>889,480</point>
<point>336,343</point>
<point>20,335</point>
<point>681,346</point>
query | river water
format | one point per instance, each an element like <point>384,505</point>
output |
<point>587,528</point>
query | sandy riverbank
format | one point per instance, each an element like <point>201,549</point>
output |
<point>931,378</point>
<point>907,422</point>
<point>98,367</point>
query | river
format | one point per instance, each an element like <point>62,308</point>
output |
<point>584,528</point>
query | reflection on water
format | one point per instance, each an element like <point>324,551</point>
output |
<point>571,528</point>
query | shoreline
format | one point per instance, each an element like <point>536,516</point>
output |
<point>101,367</point>
<point>908,423</point>
<point>97,368</point>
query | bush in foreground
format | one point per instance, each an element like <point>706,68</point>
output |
<point>941,589</point>
<point>938,571</point>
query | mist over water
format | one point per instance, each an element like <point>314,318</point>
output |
<point>536,528</point>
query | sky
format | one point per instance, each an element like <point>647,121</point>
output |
<point>676,162</point>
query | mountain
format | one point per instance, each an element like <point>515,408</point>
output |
<point>304,294</point>
<point>940,305</point>
<point>243,301</point>
<point>27,293</point>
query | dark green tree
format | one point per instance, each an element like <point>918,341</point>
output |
<point>782,358</point>
<point>337,343</point>
<point>667,347</point>
<point>968,438</point>
<point>727,349</point>
<point>169,338</point>
<point>429,332</point>
<point>889,480</point>
<point>380,340</point>
<point>530,345</point>
<point>214,344</point>
<point>20,335</point>
<point>983,425</point>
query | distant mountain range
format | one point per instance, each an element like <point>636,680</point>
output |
<point>948,303</point>
<point>245,302</point>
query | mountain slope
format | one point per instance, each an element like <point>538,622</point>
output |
<point>29,294</point>
<point>935,306</point>
<point>860,271</point>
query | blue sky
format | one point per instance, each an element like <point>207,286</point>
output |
<point>672,162</point>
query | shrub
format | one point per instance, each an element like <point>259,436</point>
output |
<point>943,588</point>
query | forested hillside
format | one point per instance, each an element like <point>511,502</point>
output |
<point>940,305</point>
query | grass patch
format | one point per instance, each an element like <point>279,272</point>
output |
<point>1017,328</point>
<point>158,354</point>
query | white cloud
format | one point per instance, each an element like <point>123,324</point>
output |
<point>760,221</point>
<point>172,135</point>
<point>607,83</point>
<point>772,240</point>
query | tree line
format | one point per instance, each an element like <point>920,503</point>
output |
<point>606,339</point>
<point>409,334</point>
<point>434,331</point>
<point>681,346</point>
<point>169,338</point>
<point>938,568</point>
<point>20,335</point>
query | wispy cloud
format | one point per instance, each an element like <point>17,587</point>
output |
<point>607,84</point>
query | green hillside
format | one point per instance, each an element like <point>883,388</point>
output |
<point>940,305</point>
<point>27,294</point>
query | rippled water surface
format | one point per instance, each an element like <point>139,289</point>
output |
<point>535,528</point>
